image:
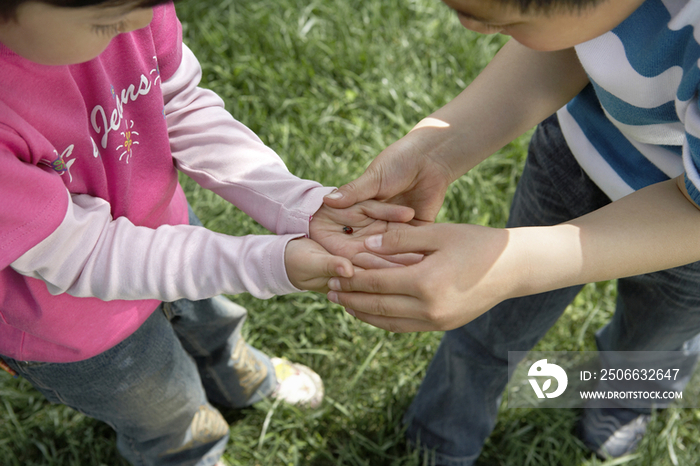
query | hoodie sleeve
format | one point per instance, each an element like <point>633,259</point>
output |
<point>91,254</point>
<point>223,155</point>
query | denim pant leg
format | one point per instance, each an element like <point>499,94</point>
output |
<point>148,390</point>
<point>655,312</point>
<point>234,373</point>
<point>456,406</point>
<point>153,388</point>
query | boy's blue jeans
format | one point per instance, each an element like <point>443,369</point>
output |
<point>154,388</point>
<point>456,406</point>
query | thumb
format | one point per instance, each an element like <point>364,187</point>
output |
<point>363,188</point>
<point>404,240</point>
<point>327,264</point>
<point>309,266</point>
<point>338,266</point>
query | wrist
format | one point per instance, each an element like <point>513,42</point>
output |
<point>440,145</point>
<point>299,220</point>
<point>546,258</point>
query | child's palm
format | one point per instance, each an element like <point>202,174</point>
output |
<point>343,231</point>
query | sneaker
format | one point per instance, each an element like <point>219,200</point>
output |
<point>612,432</point>
<point>297,384</point>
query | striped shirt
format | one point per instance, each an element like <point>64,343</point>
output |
<point>638,122</point>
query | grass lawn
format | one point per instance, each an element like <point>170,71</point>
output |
<point>328,84</point>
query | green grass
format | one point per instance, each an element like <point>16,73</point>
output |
<point>328,84</point>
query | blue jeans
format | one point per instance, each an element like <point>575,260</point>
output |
<point>456,406</point>
<point>154,388</point>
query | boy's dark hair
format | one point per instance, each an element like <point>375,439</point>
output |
<point>548,6</point>
<point>8,8</point>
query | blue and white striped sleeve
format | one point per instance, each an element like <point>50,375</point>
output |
<point>691,150</point>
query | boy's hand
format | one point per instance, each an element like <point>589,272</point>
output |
<point>416,170</point>
<point>343,231</point>
<point>405,174</point>
<point>464,273</point>
<point>309,266</point>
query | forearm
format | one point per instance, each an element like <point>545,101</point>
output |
<point>652,229</point>
<point>519,88</point>
<point>92,255</point>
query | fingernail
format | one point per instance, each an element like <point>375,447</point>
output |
<point>374,242</point>
<point>350,311</point>
<point>334,284</point>
<point>335,195</point>
<point>332,297</point>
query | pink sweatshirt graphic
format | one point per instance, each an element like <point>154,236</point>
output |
<point>93,224</point>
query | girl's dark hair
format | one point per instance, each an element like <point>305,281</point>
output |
<point>8,8</point>
<point>548,6</point>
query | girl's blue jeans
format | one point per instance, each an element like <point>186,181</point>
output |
<point>456,406</point>
<point>154,388</point>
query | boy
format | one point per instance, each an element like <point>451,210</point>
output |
<point>610,190</point>
<point>99,108</point>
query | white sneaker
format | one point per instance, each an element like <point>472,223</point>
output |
<point>297,384</point>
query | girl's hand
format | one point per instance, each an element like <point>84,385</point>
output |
<point>309,266</point>
<point>343,231</point>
